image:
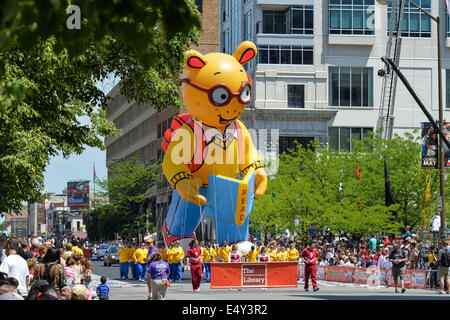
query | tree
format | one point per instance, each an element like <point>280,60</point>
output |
<point>321,187</point>
<point>48,78</point>
<point>125,191</point>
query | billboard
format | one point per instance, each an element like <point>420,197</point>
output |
<point>78,193</point>
<point>430,146</point>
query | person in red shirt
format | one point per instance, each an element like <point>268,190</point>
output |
<point>194,256</point>
<point>309,255</point>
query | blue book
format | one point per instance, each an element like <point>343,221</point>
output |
<point>230,200</point>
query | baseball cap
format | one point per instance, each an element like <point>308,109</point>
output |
<point>149,240</point>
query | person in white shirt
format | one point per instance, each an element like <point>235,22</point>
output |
<point>14,266</point>
<point>435,224</point>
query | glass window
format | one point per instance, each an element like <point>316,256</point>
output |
<point>339,137</point>
<point>285,55</point>
<point>415,22</point>
<point>199,4</point>
<point>296,96</point>
<point>350,86</point>
<point>302,20</point>
<point>351,17</point>
<point>274,22</point>
<point>344,136</point>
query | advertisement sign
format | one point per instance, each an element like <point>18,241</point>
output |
<point>430,146</point>
<point>253,275</point>
<point>78,193</point>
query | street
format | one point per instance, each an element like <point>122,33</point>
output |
<point>134,290</point>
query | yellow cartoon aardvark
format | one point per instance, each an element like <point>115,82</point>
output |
<point>210,140</point>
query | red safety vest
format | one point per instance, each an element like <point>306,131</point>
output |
<point>309,256</point>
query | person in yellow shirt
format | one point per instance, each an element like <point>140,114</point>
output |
<point>170,260</point>
<point>208,255</point>
<point>138,256</point>
<point>282,254</point>
<point>252,255</point>
<point>163,250</point>
<point>272,252</point>
<point>223,252</point>
<point>133,263</point>
<point>177,254</point>
<point>124,254</point>
<point>293,253</point>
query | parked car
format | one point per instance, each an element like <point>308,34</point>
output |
<point>102,250</point>
<point>110,257</point>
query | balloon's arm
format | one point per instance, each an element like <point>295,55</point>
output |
<point>175,167</point>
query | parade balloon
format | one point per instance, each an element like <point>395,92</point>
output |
<point>208,148</point>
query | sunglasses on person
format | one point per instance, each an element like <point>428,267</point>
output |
<point>220,94</point>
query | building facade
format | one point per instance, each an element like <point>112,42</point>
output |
<point>16,223</point>
<point>37,218</point>
<point>143,127</point>
<point>315,76</point>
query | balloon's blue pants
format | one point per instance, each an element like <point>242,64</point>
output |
<point>184,217</point>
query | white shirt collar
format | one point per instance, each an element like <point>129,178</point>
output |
<point>211,132</point>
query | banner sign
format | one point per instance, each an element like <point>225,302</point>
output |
<point>78,193</point>
<point>416,279</point>
<point>253,275</point>
<point>430,146</point>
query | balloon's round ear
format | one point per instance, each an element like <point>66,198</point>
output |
<point>194,60</point>
<point>245,52</point>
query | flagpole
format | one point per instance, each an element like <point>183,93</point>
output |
<point>94,175</point>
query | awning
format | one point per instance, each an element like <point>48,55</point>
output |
<point>80,235</point>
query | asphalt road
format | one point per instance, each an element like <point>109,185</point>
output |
<point>134,290</point>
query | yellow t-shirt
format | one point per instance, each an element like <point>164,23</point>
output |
<point>223,253</point>
<point>208,255</point>
<point>273,254</point>
<point>293,255</point>
<point>139,255</point>
<point>177,254</point>
<point>282,256</point>
<point>431,258</point>
<point>252,256</point>
<point>164,255</point>
<point>124,254</point>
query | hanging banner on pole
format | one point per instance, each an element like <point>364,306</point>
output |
<point>430,146</point>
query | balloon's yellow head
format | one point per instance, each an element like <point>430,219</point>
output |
<point>217,88</point>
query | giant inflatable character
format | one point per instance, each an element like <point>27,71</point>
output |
<point>209,141</point>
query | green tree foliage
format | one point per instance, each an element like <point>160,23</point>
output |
<point>49,76</point>
<point>121,198</point>
<point>319,186</point>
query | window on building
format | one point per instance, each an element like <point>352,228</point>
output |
<point>296,96</point>
<point>199,4</point>
<point>286,144</point>
<point>274,22</point>
<point>339,137</point>
<point>415,22</point>
<point>226,41</point>
<point>247,26</point>
<point>352,17</point>
<point>285,54</point>
<point>78,225</point>
<point>302,20</point>
<point>350,87</point>
<point>225,10</point>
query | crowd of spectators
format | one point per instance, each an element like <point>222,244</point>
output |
<point>45,270</point>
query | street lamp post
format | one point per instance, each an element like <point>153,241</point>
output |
<point>441,114</point>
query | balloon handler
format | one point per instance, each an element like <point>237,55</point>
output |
<point>207,148</point>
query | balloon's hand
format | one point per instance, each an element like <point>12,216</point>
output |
<point>260,182</point>
<point>188,190</point>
